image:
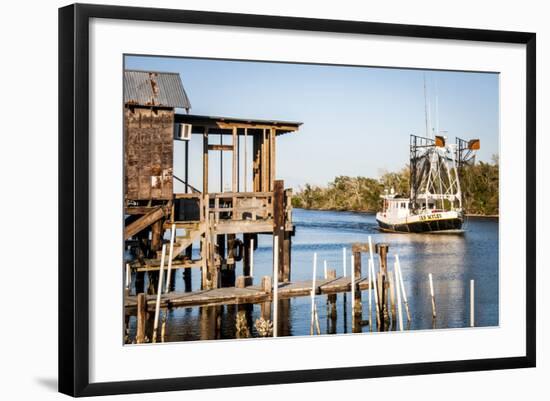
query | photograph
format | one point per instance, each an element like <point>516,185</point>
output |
<point>271,199</point>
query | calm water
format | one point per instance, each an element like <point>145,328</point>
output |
<point>453,261</point>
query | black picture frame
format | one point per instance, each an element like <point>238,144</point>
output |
<point>74,200</point>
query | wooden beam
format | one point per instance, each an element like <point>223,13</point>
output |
<point>221,147</point>
<point>271,158</point>
<point>279,224</point>
<point>143,222</point>
<point>234,173</point>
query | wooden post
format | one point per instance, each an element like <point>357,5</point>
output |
<point>383,252</point>
<point>272,158</point>
<point>141,318</point>
<point>313,294</point>
<point>205,162</point>
<point>325,269</point>
<point>287,257</point>
<point>170,256</point>
<point>156,235</point>
<point>382,294</point>
<point>235,174</point>
<point>187,272</point>
<point>279,225</point>
<point>472,321</point>
<point>399,310</point>
<point>221,162</point>
<point>246,254</point>
<point>266,284</point>
<point>230,267</point>
<point>251,257</point>
<point>401,285</point>
<point>434,314</point>
<point>382,300</point>
<point>275,285</point>
<point>331,299</point>
<point>186,167</point>
<point>159,292</point>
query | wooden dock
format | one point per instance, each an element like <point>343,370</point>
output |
<point>250,294</point>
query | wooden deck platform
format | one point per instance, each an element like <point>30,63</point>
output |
<point>250,294</point>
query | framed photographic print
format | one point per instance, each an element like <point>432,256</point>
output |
<point>251,199</point>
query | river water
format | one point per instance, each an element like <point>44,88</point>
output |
<point>453,260</point>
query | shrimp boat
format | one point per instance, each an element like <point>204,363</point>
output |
<point>435,201</point>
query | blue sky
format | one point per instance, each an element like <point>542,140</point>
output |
<point>356,120</point>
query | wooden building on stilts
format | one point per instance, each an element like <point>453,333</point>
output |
<point>225,224</point>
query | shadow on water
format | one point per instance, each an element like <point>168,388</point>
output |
<point>453,260</point>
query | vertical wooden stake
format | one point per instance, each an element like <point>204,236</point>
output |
<point>344,260</point>
<point>399,310</point>
<point>326,269</point>
<point>170,256</point>
<point>252,257</point>
<point>141,318</point>
<point>159,292</point>
<point>434,314</point>
<point>401,285</point>
<point>313,294</point>
<point>275,285</point>
<point>472,322</point>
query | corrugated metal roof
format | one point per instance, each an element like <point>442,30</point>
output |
<point>150,88</point>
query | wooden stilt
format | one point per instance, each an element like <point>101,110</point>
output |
<point>141,318</point>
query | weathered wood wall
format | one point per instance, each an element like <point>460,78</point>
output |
<point>148,156</point>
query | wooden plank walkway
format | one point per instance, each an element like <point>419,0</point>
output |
<point>250,294</point>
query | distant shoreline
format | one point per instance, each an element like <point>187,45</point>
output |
<point>481,216</point>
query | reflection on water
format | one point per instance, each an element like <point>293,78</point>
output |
<point>453,260</point>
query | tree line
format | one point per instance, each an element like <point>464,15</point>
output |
<point>479,184</point>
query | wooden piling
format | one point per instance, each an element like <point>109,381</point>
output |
<point>266,284</point>
<point>141,318</point>
<point>331,299</point>
<point>279,225</point>
<point>356,265</point>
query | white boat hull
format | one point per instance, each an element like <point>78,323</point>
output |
<point>428,222</point>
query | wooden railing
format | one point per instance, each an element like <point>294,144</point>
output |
<point>241,206</point>
<point>237,205</point>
